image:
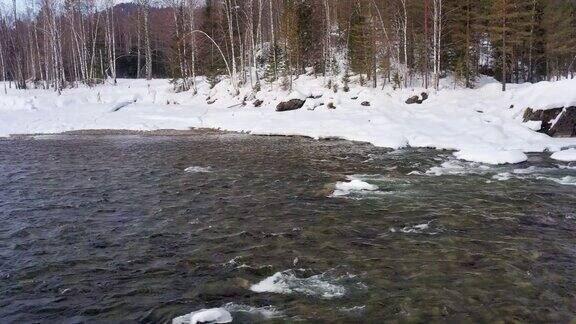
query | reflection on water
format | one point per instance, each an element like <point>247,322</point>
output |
<point>131,229</point>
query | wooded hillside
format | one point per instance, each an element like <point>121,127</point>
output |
<point>61,43</point>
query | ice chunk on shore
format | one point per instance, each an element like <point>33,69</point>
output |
<point>491,156</point>
<point>565,156</point>
<point>354,185</point>
<point>286,282</point>
<point>212,316</point>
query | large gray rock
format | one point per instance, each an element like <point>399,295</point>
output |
<point>290,105</point>
<point>557,122</point>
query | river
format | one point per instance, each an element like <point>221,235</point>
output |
<point>146,228</point>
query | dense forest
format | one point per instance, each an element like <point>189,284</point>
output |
<point>63,43</point>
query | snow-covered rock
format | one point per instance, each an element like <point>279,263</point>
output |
<point>208,316</point>
<point>354,185</point>
<point>558,122</point>
<point>565,156</point>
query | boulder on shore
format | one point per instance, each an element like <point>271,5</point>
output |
<point>416,99</point>
<point>258,103</point>
<point>293,104</point>
<point>556,122</point>
<point>413,100</point>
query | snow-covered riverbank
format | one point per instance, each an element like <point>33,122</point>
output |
<point>483,124</point>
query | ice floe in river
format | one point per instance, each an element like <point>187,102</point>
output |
<point>492,156</point>
<point>354,185</point>
<point>565,156</point>
<point>212,316</point>
<point>287,282</point>
<point>224,314</point>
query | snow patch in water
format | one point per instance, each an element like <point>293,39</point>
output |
<point>213,315</point>
<point>198,169</point>
<point>354,185</point>
<point>286,282</point>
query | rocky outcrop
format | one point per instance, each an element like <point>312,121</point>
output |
<point>557,122</point>
<point>293,104</point>
<point>416,99</point>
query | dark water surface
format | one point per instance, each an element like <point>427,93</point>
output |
<point>112,229</point>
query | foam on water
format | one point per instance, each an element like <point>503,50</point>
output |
<point>559,173</point>
<point>504,176</point>
<point>556,174</point>
<point>266,312</point>
<point>424,228</point>
<point>287,282</point>
<point>566,181</point>
<point>198,169</point>
<point>354,310</point>
<point>457,167</point>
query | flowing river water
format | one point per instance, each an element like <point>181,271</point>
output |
<point>128,229</point>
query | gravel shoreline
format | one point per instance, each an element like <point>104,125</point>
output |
<point>125,132</point>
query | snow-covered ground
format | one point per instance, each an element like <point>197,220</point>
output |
<point>483,124</point>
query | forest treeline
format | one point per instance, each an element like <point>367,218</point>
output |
<point>62,43</point>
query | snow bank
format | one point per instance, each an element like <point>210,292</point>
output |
<point>455,119</point>
<point>565,156</point>
<point>546,95</point>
